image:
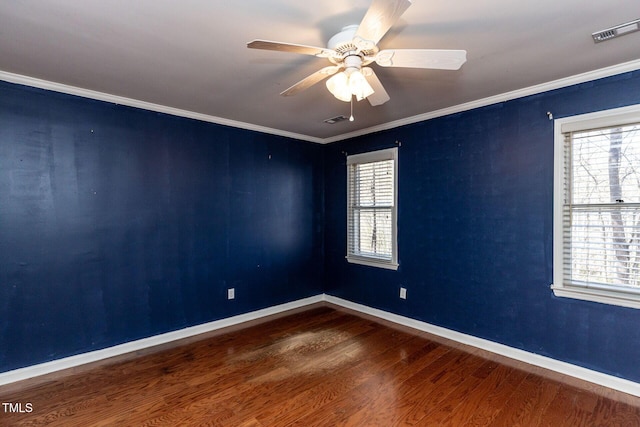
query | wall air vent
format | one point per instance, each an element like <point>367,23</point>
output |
<point>617,31</point>
<point>335,119</point>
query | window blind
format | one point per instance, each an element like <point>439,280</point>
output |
<point>371,207</point>
<point>601,210</point>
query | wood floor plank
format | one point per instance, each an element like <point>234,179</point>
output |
<point>482,406</point>
<point>296,384</point>
<point>571,406</point>
<point>381,357</point>
<point>320,395</point>
<point>385,390</point>
<point>317,367</point>
<point>456,398</point>
<point>429,388</point>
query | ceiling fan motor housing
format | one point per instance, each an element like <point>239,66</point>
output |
<point>355,47</point>
<point>352,63</point>
<point>343,43</point>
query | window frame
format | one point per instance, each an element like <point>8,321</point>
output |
<point>606,294</point>
<point>371,157</point>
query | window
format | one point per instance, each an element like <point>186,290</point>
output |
<point>372,208</point>
<point>597,207</point>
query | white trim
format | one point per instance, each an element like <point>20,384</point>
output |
<point>373,156</point>
<point>370,157</point>
<point>585,374</point>
<point>603,296</point>
<point>115,99</point>
<point>613,295</point>
<point>601,119</point>
<point>575,371</point>
<point>94,356</point>
<point>507,96</point>
<point>371,262</point>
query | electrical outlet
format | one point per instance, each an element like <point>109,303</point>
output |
<point>403,293</point>
<point>231,293</point>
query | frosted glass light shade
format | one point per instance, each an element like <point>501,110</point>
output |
<point>338,85</point>
<point>359,86</point>
<point>343,86</point>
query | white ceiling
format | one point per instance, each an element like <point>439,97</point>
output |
<point>191,55</point>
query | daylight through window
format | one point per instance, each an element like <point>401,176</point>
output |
<point>371,217</point>
<point>600,213</point>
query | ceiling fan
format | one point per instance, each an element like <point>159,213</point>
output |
<point>355,47</point>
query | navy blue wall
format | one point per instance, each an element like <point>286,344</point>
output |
<point>475,230</point>
<point>118,223</point>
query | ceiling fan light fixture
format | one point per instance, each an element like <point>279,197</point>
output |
<point>359,86</point>
<point>338,85</point>
<point>348,83</point>
<point>356,46</point>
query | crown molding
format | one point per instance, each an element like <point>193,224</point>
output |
<point>130,102</point>
<point>507,96</point>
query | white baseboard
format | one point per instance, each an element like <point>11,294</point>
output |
<point>575,371</point>
<point>94,356</point>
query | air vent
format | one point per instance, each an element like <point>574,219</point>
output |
<point>336,119</point>
<point>617,31</point>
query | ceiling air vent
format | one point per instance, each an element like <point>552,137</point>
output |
<point>335,119</point>
<point>617,31</point>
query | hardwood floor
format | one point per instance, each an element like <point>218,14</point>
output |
<point>320,367</point>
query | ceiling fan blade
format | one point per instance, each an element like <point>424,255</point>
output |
<point>438,59</point>
<point>292,48</point>
<point>382,14</point>
<point>309,81</point>
<point>379,96</point>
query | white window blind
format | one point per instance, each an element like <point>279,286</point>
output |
<point>371,208</point>
<point>600,215</point>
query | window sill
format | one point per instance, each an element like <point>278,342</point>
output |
<point>372,262</point>
<point>623,298</point>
